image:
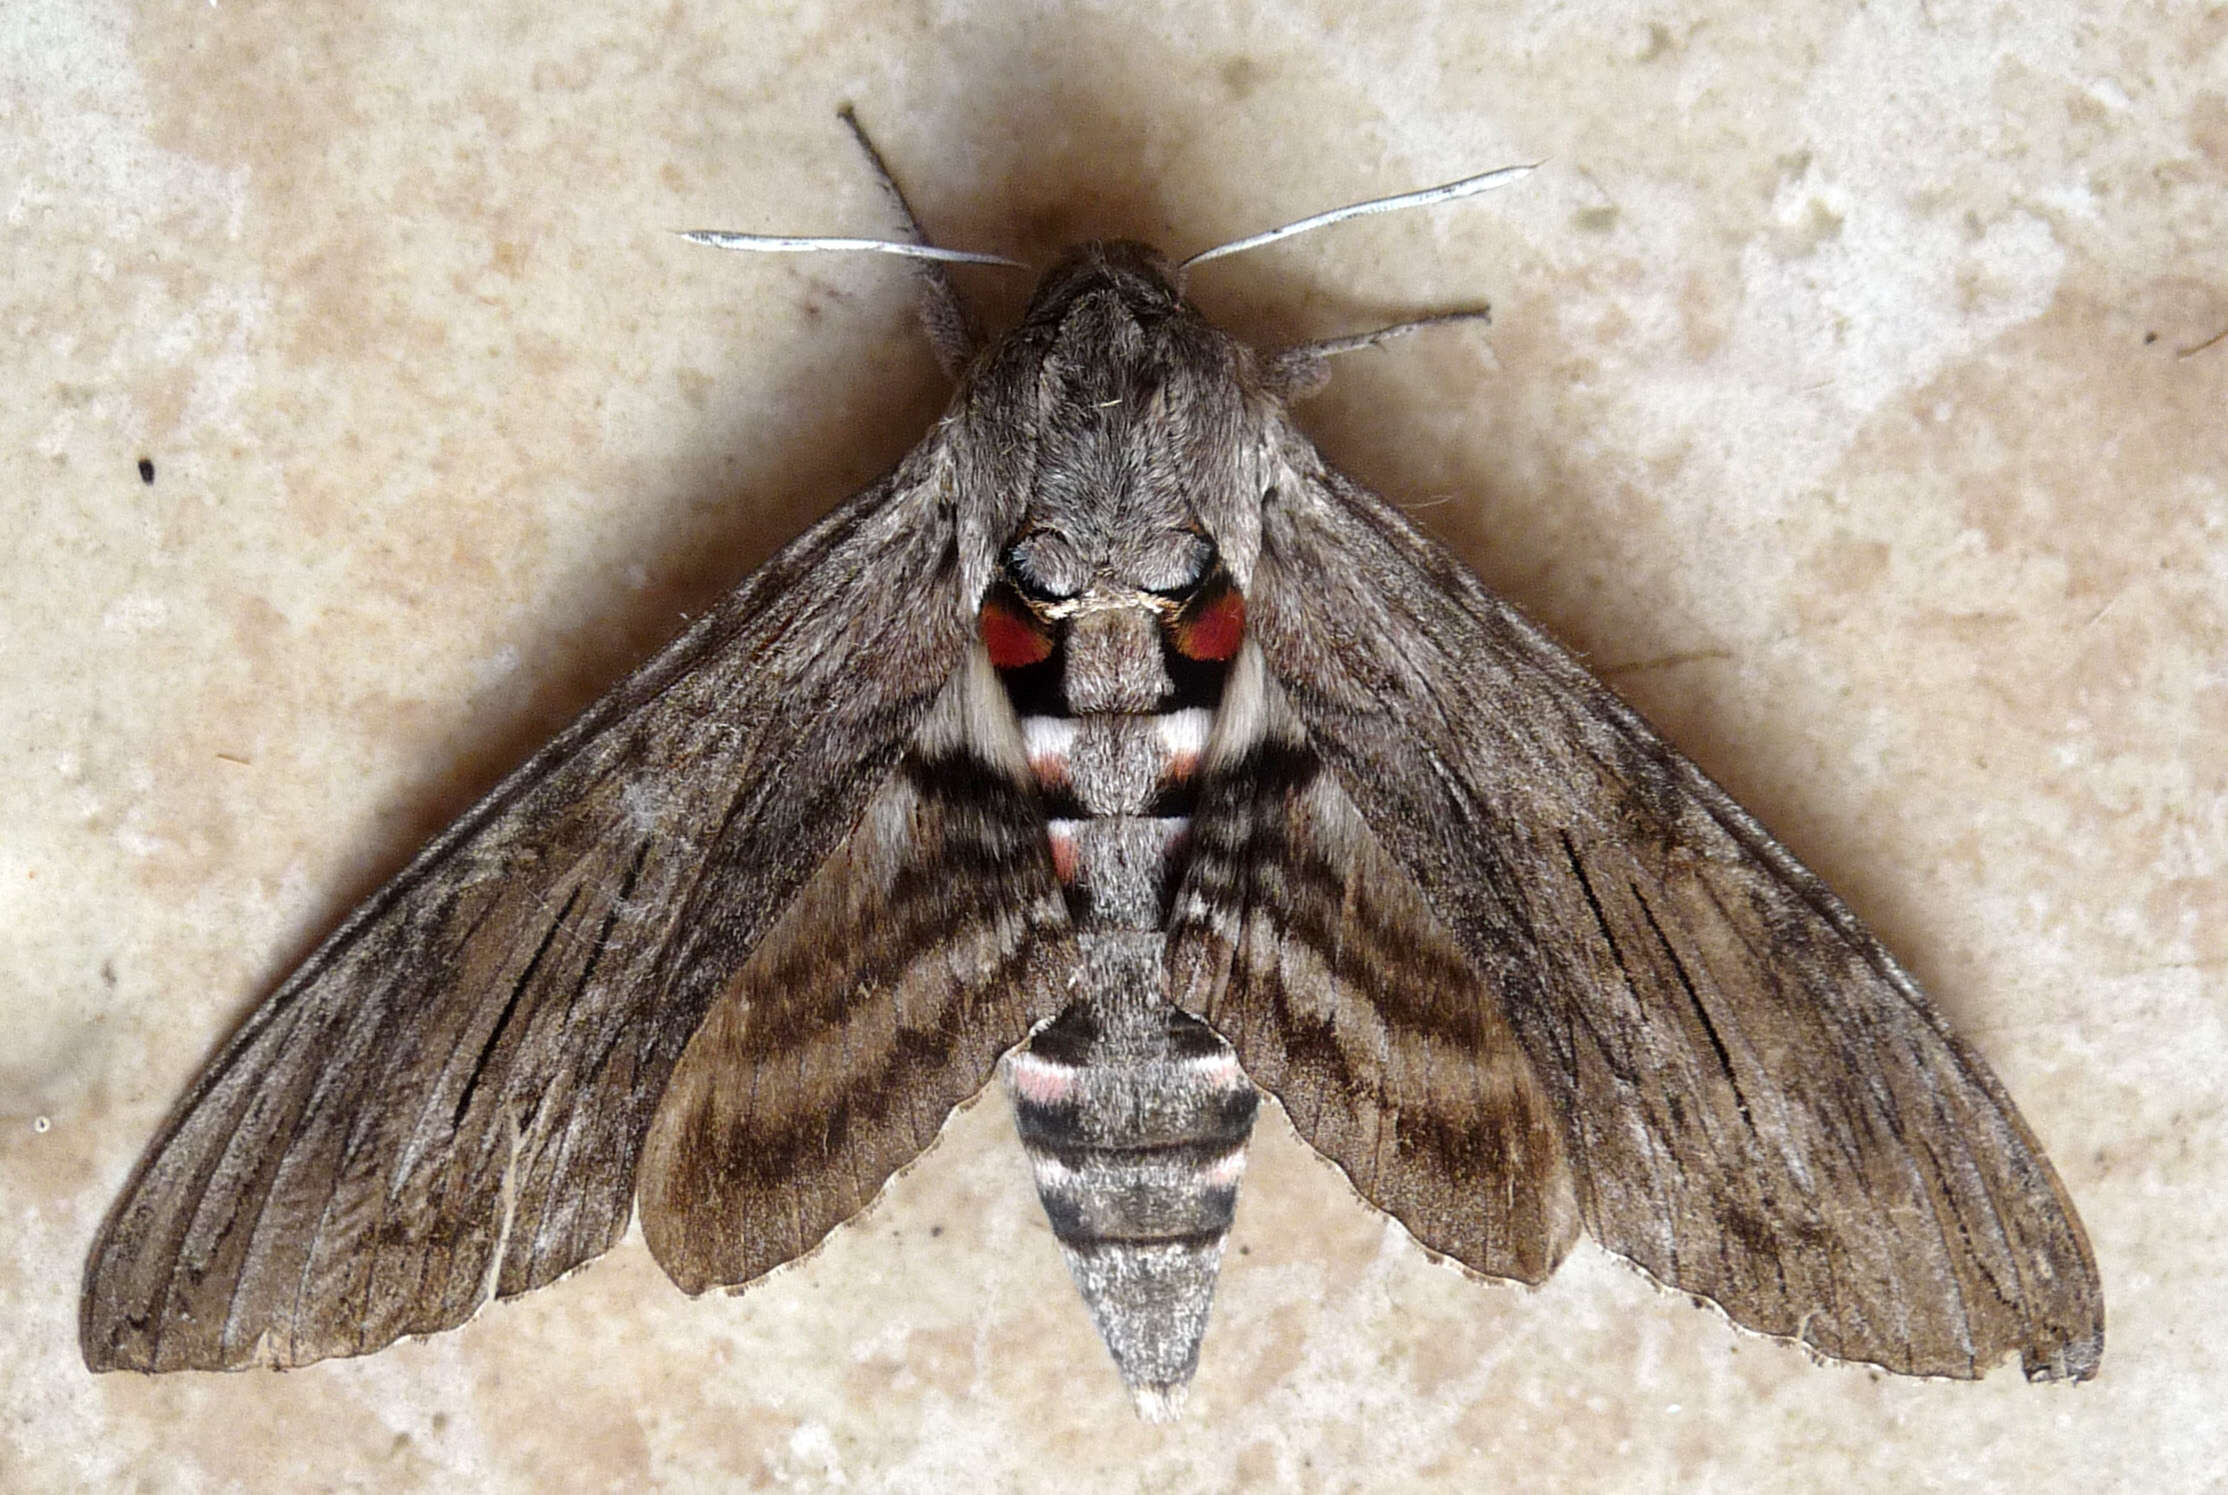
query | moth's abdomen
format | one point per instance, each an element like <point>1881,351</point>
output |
<point>1136,1132</point>
<point>1134,1114</point>
<point>1128,1146</point>
<point>1118,789</point>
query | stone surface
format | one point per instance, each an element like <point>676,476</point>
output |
<point>1846,405</point>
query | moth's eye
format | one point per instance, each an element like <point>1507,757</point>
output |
<point>1175,563</point>
<point>1044,566</point>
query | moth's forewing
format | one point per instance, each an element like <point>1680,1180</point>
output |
<point>447,1101</point>
<point>1755,1103</point>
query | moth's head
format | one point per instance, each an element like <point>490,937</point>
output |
<point>1137,276</point>
<point>1124,417</point>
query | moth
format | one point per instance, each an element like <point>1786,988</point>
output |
<point>1117,739</point>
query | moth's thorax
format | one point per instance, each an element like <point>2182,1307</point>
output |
<point>1122,415</point>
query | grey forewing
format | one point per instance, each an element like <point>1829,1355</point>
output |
<point>447,1101</point>
<point>1755,1102</point>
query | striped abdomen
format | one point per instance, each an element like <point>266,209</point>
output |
<point>1138,1140</point>
<point>1134,1114</point>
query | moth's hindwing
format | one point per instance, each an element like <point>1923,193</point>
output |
<point>923,949</point>
<point>1299,938</point>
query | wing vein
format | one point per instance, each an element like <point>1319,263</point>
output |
<point>1694,1000</point>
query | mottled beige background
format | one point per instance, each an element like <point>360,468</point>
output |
<point>1842,407</point>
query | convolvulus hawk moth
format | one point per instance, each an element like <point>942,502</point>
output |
<point>1116,734</point>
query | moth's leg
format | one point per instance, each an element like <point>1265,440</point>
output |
<point>951,329</point>
<point>1296,373</point>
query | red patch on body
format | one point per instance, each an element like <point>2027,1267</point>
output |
<point>1063,857</point>
<point>1216,629</point>
<point>1013,636</point>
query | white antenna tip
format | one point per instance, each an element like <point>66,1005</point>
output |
<point>792,244</point>
<point>1469,186</point>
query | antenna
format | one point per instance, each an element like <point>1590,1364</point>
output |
<point>785,244</point>
<point>1469,186</point>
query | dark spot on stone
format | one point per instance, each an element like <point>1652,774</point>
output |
<point>146,469</point>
